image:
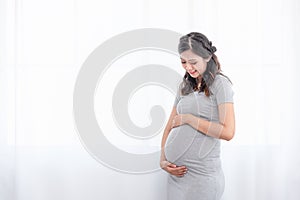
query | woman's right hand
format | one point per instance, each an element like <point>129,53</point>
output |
<point>171,168</point>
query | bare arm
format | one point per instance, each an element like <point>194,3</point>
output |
<point>225,129</point>
<point>166,133</point>
<point>164,163</point>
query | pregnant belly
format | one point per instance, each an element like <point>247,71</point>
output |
<point>185,139</point>
<point>179,140</point>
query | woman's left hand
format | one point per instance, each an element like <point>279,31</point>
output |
<point>179,120</point>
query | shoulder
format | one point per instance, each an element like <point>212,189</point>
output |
<point>221,78</point>
<point>220,81</point>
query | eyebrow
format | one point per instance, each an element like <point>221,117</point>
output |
<point>189,59</point>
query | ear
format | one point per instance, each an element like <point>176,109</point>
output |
<point>208,59</point>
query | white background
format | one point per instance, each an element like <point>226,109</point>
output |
<point>43,45</point>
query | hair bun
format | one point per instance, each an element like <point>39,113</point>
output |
<point>213,49</point>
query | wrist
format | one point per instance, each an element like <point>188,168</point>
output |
<point>187,118</point>
<point>163,163</point>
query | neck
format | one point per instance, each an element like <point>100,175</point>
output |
<point>199,78</point>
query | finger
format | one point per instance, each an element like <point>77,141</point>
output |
<point>175,171</point>
<point>175,168</point>
<point>172,165</point>
<point>184,170</point>
<point>180,175</point>
<point>181,167</point>
<point>178,171</point>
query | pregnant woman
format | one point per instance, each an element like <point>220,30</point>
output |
<point>202,115</point>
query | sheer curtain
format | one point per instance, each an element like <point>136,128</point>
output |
<point>45,43</point>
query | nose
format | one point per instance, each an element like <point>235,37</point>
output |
<point>188,67</point>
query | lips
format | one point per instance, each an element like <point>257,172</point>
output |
<point>193,72</point>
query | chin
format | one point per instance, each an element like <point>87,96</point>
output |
<point>195,75</point>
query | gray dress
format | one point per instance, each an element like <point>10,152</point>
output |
<point>187,146</point>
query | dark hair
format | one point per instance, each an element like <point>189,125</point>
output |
<point>200,45</point>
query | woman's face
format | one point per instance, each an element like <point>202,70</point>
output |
<point>193,64</point>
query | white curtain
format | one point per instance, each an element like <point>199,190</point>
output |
<point>43,45</point>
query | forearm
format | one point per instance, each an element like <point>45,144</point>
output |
<point>167,130</point>
<point>162,154</point>
<point>213,129</point>
<point>163,141</point>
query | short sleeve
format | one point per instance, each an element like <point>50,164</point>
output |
<point>177,98</point>
<point>223,91</point>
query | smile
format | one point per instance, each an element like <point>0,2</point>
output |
<point>193,72</point>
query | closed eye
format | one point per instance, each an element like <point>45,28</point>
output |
<point>190,63</point>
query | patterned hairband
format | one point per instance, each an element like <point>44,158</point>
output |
<point>210,48</point>
<point>213,49</point>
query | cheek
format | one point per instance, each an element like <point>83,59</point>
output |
<point>199,67</point>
